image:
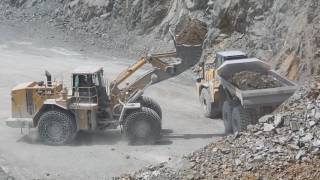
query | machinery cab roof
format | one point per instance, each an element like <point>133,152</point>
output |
<point>231,53</point>
<point>228,56</point>
<point>83,70</point>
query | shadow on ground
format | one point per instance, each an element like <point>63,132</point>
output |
<point>111,137</point>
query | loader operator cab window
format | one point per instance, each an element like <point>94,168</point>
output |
<point>85,80</point>
<point>84,84</point>
<point>102,90</point>
<point>89,85</point>
<point>219,61</point>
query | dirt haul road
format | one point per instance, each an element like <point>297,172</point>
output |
<point>92,155</point>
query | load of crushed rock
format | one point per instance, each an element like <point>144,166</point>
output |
<point>284,145</point>
<point>191,32</point>
<point>249,80</point>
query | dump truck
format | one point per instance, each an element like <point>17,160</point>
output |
<point>219,96</point>
<point>59,112</point>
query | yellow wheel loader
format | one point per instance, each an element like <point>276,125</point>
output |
<point>91,104</point>
<point>238,107</point>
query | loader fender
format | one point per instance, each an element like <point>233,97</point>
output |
<point>49,104</point>
<point>126,108</point>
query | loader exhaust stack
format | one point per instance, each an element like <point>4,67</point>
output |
<point>49,78</point>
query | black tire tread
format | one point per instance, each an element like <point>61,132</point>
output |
<point>242,116</point>
<point>156,125</point>
<point>152,104</point>
<point>212,110</point>
<point>70,124</point>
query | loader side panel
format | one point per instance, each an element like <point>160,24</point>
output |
<point>19,106</point>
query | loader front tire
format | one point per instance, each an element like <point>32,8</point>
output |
<point>241,118</point>
<point>142,127</point>
<point>56,127</point>
<point>227,117</point>
<point>211,109</point>
<point>152,104</point>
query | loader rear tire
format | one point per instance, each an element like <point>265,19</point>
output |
<point>241,118</point>
<point>227,117</point>
<point>56,127</point>
<point>152,104</point>
<point>142,127</point>
<point>211,109</point>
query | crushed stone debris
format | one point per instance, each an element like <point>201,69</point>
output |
<point>249,80</point>
<point>192,32</point>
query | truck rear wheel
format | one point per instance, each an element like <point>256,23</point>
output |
<point>227,117</point>
<point>143,126</point>
<point>211,109</point>
<point>56,127</point>
<point>152,104</point>
<point>241,118</point>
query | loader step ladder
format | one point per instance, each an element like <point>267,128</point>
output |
<point>85,98</point>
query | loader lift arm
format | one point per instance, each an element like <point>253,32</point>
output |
<point>164,66</point>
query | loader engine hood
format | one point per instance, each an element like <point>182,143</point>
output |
<point>27,98</point>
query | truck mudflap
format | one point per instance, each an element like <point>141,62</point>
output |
<point>20,122</point>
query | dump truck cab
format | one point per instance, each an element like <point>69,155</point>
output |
<point>207,83</point>
<point>224,56</point>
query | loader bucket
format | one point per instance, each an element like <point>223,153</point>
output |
<point>188,40</point>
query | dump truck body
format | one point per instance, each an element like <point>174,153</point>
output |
<point>257,97</point>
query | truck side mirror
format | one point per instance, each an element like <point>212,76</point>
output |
<point>76,82</point>
<point>198,79</point>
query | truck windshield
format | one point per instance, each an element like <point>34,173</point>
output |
<point>235,57</point>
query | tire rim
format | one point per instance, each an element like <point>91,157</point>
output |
<point>54,130</point>
<point>142,129</point>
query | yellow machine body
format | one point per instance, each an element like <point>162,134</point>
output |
<point>28,98</point>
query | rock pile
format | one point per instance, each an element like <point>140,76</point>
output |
<point>192,32</point>
<point>248,80</point>
<point>284,145</point>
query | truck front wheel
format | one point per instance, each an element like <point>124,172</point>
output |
<point>56,127</point>
<point>143,126</point>
<point>211,109</point>
<point>241,118</point>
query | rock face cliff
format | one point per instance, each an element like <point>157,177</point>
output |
<point>285,33</point>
